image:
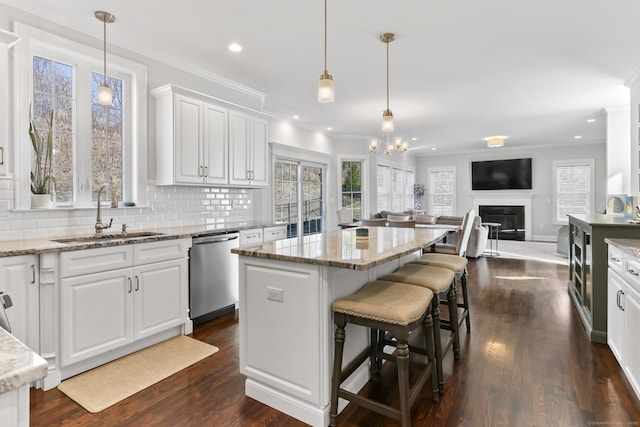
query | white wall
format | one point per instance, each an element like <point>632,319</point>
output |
<point>618,147</point>
<point>542,169</point>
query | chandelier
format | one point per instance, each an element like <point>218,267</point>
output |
<point>397,146</point>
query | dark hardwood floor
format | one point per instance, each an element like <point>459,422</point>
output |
<point>526,362</point>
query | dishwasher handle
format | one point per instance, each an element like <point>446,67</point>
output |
<point>215,239</point>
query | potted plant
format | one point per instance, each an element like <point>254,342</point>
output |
<point>41,172</point>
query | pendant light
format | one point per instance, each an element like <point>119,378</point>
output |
<point>387,115</point>
<point>105,94</point>
<point>325,85</point>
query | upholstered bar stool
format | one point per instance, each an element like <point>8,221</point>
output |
<point>384,306</point>
<point>438,280</point>
<point>457,264</point>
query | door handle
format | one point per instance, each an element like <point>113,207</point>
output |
<point>33,273</point>
<point>130,287</point>
<point>137,283</point>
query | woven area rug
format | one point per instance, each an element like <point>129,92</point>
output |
<point>108,384</point>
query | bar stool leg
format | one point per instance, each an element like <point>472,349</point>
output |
<point>337,367</point>
<point>465,299</point>
<point>402,360</point>
<point>435,310</point>
<point>452,297</point>
<point>427,328</point>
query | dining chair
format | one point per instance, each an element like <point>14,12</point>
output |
<point>345,216</point>
<point>374,222</point>
<point>402,224</point>
<point>399,217</point>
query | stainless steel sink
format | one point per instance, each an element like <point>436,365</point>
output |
<point>108,237</point>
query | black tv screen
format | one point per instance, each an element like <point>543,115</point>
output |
<point>512,174</point>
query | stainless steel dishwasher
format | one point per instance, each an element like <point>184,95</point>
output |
<point>213,276</point>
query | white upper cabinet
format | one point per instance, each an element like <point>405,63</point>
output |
<point>248,150</point>
<point>199,140</point>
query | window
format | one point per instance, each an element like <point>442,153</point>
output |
<point>442,187</point>
<point>352,187</point>
<point>395,189</point>
<point>293,207</point>
<point>93,144</point>
<point>573,189</point>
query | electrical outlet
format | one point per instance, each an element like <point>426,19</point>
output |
<point>275,294</point>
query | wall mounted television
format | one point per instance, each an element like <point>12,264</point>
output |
<point>511,174</point>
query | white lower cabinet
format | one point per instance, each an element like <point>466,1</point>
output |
<point>623,313</point>
<point>18,279</point>
<point>113,300</point>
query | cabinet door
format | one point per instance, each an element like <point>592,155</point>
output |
<point>17,274</point>
<point>239,148</point>
<point>615,315</point>
<point>188,140</point>
<point>96,314</point>
<point>632,344</point>
<point>259,152</point>
<point>215,145</point>
<point>160,296</point>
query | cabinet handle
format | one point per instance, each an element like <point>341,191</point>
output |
<point>200,173</point>
<point>33,273</point>
<point>633,272</point>
<point>130,287</point>
<point>614,259</point>
<point>621,300</point>
<point>137,284</point>
<point>618,299</point>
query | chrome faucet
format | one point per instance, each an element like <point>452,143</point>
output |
<point>99,226</point>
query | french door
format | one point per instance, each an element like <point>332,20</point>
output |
<point>299,197</point>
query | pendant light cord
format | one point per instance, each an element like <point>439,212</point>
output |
<point>104,75</point>
<point>387,75</point>
<point>325,36</point>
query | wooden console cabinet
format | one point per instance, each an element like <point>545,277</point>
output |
<point>588,266</point>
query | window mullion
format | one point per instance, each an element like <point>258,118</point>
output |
<point>83,136</point>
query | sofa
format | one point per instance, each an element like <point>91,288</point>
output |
<point>478,238</point>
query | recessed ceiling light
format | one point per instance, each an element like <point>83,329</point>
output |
<point>414,139</point>
<point>591,120</point>
<point>296,117</point>
<point>329,128</point>
<point>235,47</point>
<point>577,137</point>
<point>433,148</point>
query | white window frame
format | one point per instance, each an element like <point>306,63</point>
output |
<point>37,42</point>
<point>430,193</point>
<point>589,163</point>
<point>364,181</point>
<point>400,196</point>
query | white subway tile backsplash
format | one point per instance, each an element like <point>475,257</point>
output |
<point>167,206</point>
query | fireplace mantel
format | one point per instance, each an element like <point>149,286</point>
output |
<point>507,200</point>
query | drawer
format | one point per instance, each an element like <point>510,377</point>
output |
<point>250,237</point>
<point>275,233</point>
<point>632,272</point>
<point>162,250</point>
<point>616,258</point>
<point>77,263</point>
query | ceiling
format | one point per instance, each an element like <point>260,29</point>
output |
<point>460,71</point>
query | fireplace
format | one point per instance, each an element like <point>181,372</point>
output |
<point>512,219</point>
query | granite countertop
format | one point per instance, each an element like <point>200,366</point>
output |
<point>19,365</point>
<point>48,244</point>
<point>630,246</point>
<point>343,249</point>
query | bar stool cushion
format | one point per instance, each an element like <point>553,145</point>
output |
<point>435,278</point>
<point>393,303</point>
<point>456,263</point>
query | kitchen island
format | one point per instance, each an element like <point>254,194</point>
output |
<point>286,325</point>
